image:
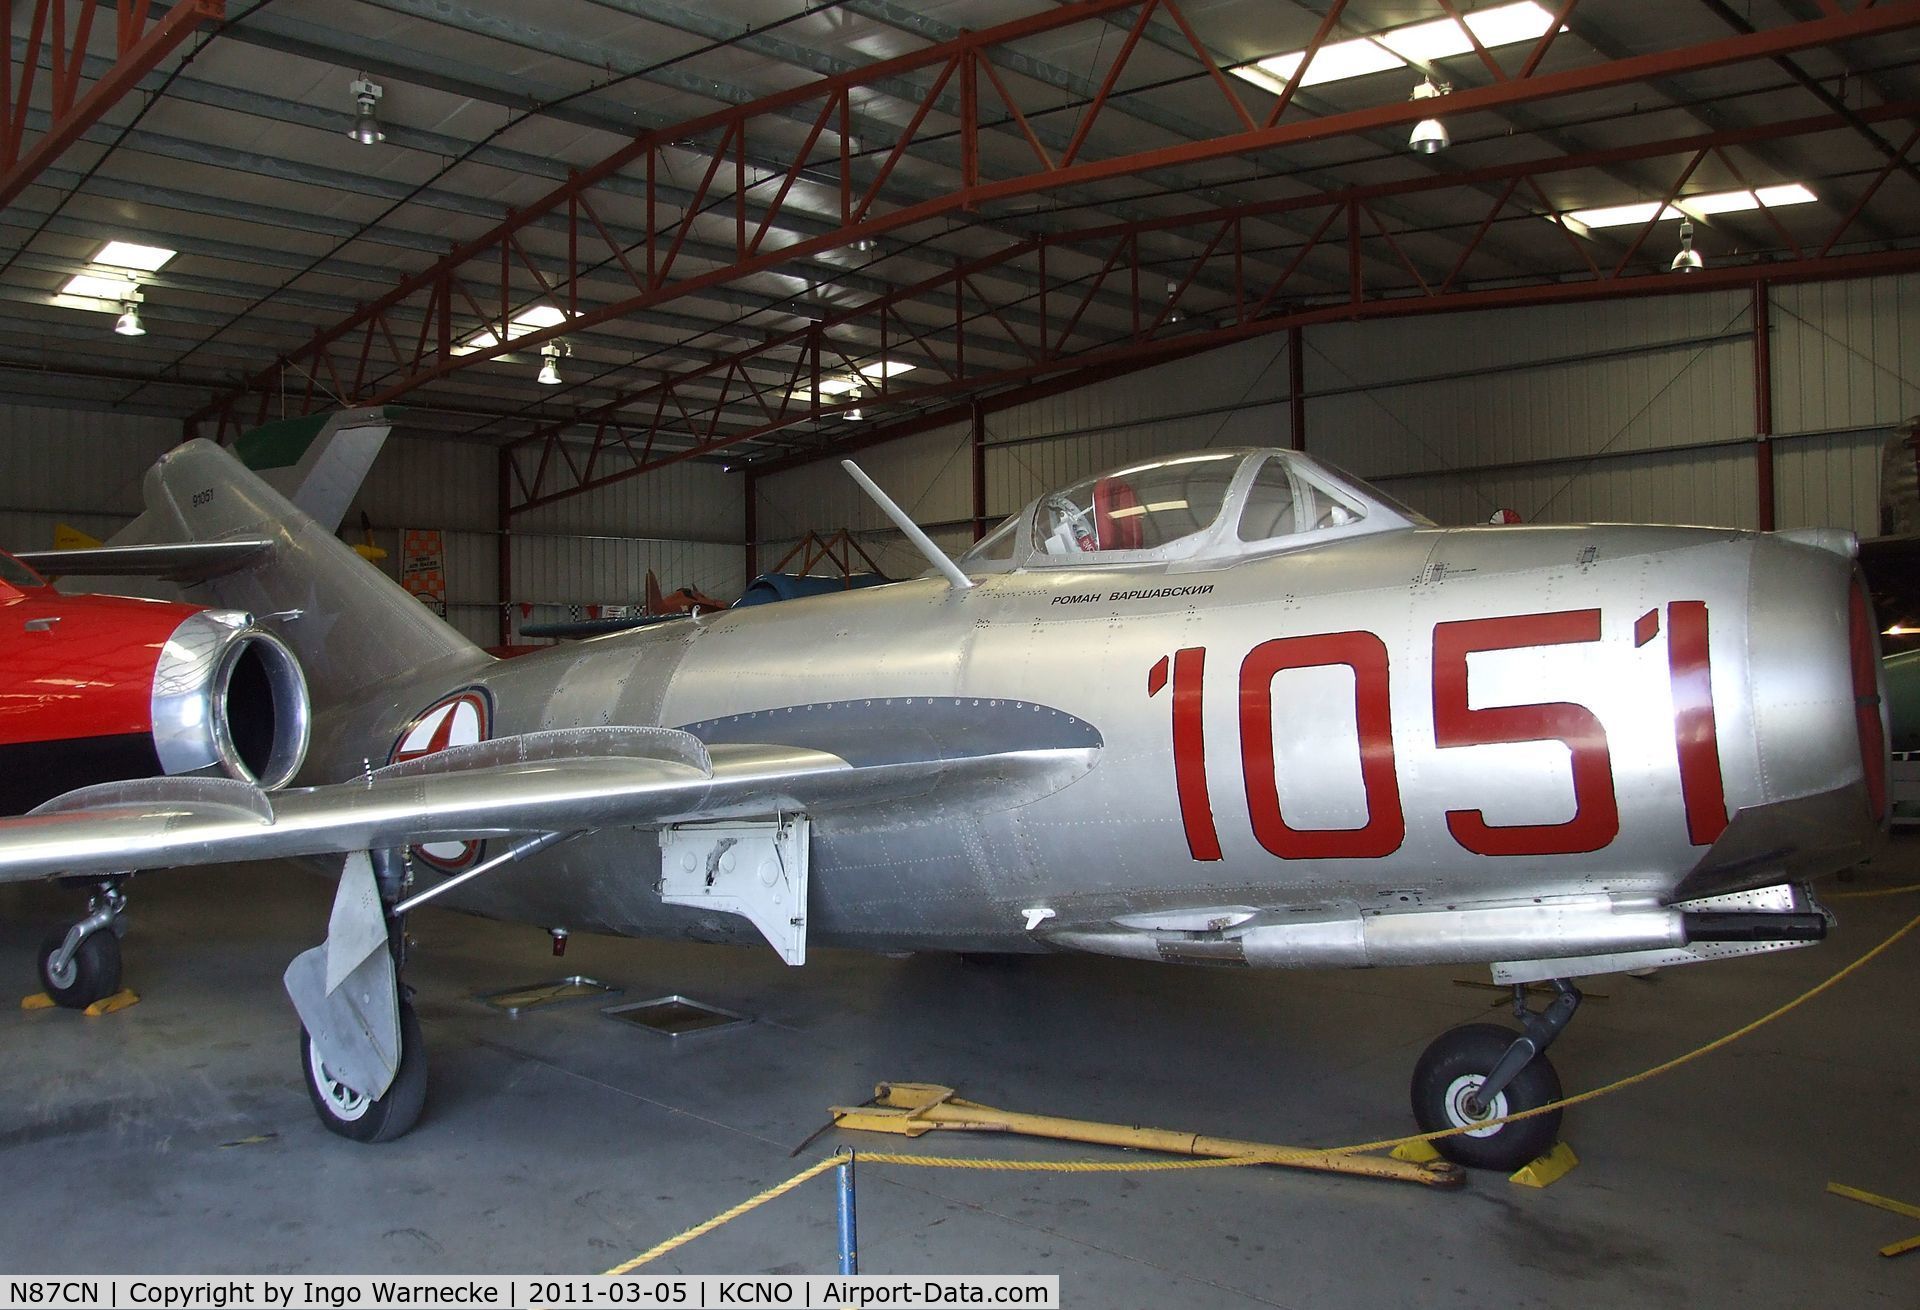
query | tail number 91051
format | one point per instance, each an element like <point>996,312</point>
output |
<point>1456,723</point>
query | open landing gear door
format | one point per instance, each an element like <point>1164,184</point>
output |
<point>756,869</point>
<point>346,990</point>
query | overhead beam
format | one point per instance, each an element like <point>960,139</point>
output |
<point>138,50</point>
<point>660,275</point>
<point>1067,337</point>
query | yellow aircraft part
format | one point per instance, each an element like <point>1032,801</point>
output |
<point>71,538</point>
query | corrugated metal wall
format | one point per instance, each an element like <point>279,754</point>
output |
<point>70,466</point>
<point>685,523</point>
<point>1639,410</point>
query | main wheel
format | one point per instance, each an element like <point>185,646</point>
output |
<point>363,1118</point>
<point>1454,1067</point>
<point>93,974</point>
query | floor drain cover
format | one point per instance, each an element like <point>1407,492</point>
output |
<point>675,1016</point>
<point>518,1000</point>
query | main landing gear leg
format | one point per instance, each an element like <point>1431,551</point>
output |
<point>82,964</point>
<point>1482,1071</point>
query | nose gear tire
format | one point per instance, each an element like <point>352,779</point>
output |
<point>93,974</point>
<point>1458,1061</point>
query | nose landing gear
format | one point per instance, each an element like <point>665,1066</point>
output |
<point>1482,1072</point>
<point>82,964</point>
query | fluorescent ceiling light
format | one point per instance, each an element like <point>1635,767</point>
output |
<point>128,254</point>
<point>1441,38</point>
<point>1713,202</point>
<point>97,287</point>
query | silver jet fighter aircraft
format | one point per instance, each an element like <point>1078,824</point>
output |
<point>1230,708</point>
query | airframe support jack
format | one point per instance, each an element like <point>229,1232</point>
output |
<point>1540,1027</point>
<point>755,868</point>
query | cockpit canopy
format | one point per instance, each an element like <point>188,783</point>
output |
<point>1214,505</point>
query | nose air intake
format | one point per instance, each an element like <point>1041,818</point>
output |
<point>231,696</point>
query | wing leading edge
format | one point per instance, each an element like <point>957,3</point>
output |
<point>571,780</point>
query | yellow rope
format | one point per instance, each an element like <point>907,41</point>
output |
<point>726,1216</point>
<point>1879,891</point>
<point>1240,1162</point>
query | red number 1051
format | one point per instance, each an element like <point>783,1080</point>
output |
<point>1596,812</point>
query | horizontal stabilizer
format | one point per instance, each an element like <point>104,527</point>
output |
<point>181,561</point>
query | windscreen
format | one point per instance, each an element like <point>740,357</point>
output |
<point>1135,509</point>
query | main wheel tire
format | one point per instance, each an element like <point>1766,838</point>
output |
<point>362,1118</point>
<point>1457,1064</point>
<point>93,974</point>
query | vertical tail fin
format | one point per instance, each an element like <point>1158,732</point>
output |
<point>351,625</point>
<point>318,462</point>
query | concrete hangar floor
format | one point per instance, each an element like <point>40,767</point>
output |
<point>175,1136</point>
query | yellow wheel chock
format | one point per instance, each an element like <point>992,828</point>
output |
<point>120,1000</point>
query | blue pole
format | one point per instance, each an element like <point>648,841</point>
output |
<point>849,1244</point>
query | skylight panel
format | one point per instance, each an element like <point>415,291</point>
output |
<point>97,286</point>
<point>1335,62</point>
<point>1423,43</point>
<point>129,254</point>
<point>1443,38</point>
<point>533,318</point>
<point>1700,205</point>
<point>839,384</point>
<point>1727,202</point>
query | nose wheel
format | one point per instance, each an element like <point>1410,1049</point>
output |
<point>1482,1072</point>
<point>82,965</point>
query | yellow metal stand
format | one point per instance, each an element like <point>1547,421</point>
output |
<point>911,1109</point>
<point>1882,1203</point>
